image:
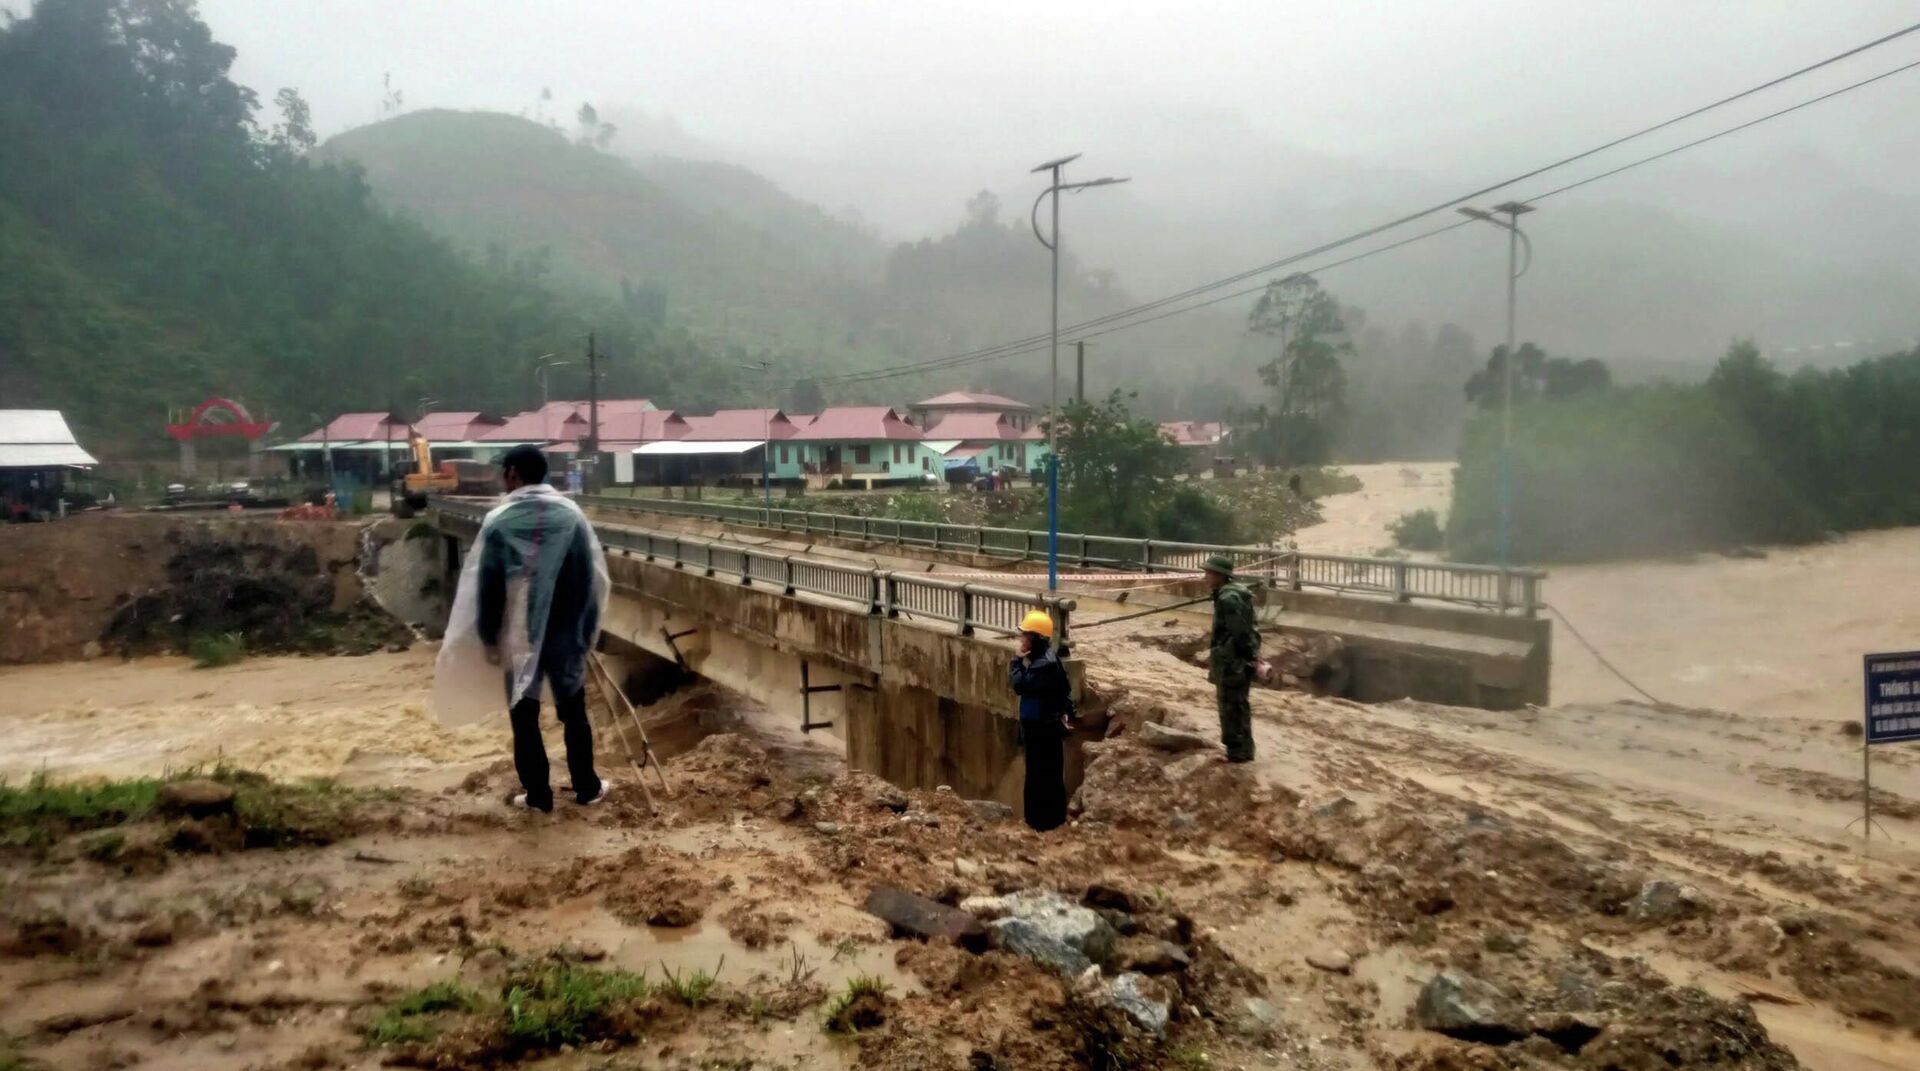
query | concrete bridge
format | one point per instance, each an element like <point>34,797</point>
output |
<point>1446,632</point>
<point>909,671</point>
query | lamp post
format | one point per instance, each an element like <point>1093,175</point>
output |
<point>764,366</point>
<point>540,366</point>
<point>1052,241</point>
<point>1516,238</point>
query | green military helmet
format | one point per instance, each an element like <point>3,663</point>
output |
<point>1219,563</point>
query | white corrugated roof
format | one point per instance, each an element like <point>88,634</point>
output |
<point>34,426</point>
<point>42,455</point>
<point>38,438</point>
<point>682,447</point>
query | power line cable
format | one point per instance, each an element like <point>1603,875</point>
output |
<point>1133,319</point>
<point>1012,348</point>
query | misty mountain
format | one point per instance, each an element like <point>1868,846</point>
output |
<point>1656,269</point>
<point>723,251</point>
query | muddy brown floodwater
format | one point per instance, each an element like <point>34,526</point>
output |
<point>1779,636</point>
<point>362,718</point>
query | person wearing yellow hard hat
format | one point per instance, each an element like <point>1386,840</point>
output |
<point>1046,707</point>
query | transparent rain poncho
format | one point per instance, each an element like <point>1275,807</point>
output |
<point>538,524</point>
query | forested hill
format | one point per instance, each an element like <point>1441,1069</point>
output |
<point>161,238</point>
<point>720,249</point>
<point>706,244</point>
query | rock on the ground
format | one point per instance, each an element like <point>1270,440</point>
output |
<point>1662,900</point>
<point>1181,769</point>
<point>1331,960</point>
<point>1260,1011</point>
<point>1155,735</point>
<point>1336,807</point>
<point>1046,928</point>
<point>196,798</point>
<point>926,918</point>
<point>1459,1005</point>
<point>1130,993</point>
<point>1112,897</point>
<point>991,810</point>
<point>1505,941</point>
<point>1152,956</point>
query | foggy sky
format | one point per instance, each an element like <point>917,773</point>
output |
<point>1250,129</point>
<point>1444,87</point>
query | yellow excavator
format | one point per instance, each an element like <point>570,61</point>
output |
<point>411,488</point>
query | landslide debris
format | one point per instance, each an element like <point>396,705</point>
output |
<point>273,596</point>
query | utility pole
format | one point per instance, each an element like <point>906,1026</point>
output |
<point>1515,239</point>
<point>1052,241</point>
<point>592,446</point>
<point>1080,371</point>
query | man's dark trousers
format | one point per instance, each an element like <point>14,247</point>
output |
<point>1236,718</point>
<point>530,751</point>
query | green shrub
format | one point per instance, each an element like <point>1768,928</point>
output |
<point>215,649</point>
<point>1418,530</point>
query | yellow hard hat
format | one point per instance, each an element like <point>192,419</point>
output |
<point>1037,622</point>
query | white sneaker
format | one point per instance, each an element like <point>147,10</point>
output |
<point>519,802</point>
<point>606,786</point>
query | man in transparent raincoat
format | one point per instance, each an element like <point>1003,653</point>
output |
<point>529,603</point>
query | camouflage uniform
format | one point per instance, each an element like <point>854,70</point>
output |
<point>1236,647</point>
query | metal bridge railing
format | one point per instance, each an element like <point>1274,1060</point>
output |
<point>1479,587</point>
<point>968,607</point>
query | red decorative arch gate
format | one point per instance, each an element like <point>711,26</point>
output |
<point>219,417</point>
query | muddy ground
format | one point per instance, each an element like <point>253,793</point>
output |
<point>1618,887</point>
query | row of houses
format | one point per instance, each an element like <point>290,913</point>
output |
<point>950,436</point>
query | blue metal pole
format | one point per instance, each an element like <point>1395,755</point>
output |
<point>1506,505</point>
<point>1053,522</point>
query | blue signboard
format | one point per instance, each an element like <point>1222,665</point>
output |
<point>1893,697</point>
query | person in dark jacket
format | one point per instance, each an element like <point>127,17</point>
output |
<point>1046,703</point>
<point>1234,658</point>
<point>572,623</point>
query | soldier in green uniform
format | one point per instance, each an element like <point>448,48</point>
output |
<point>1235,658</point>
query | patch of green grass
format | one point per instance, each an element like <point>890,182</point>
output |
<point>1189,1058</point>
<point>839,1017</point>
<point>411,1018</point>
<point>560,1004</point>
<point>758,1010</point>
<point>214,649</point>
<point>272,814</point>
<point>690,987</point>
<point>76,805</point>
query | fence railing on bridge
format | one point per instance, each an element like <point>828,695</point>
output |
<point>968,607</point>
<point>1479,587</point>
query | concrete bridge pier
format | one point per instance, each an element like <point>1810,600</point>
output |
<point>914,703</point>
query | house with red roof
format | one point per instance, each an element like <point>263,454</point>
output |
<point>867,444</point>
<point>1200,440</point>
<point>990,441</point>
<point>930,411</point>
